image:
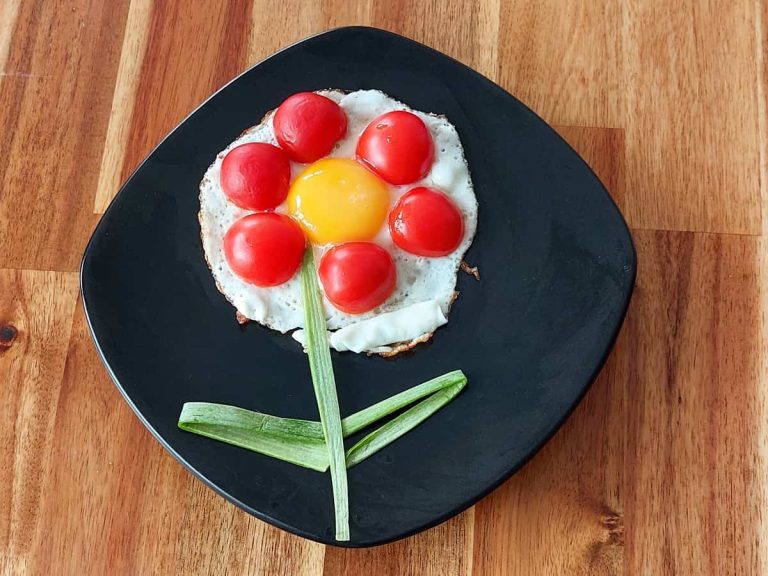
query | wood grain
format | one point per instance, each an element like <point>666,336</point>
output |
<point>663,469</point>
<point>35,322</point>
<point>446,549</point>
<point>191,53</point>
<point>274,26</point>
<point>761,34</point>
<point>9,10</point>
<point>464,30</point>
<point>116,142</point>
<point>564,59</point>
<point>691,113</point>
<point>54,104</point>
<point>693,501</point>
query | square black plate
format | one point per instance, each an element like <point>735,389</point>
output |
<point>557,265</point>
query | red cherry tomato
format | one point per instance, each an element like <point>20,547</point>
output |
<point>307,125</point>
<point>357,276</point>
<point>256,176</point>
<point>426,222</point>
<point>265,248</point>
<point>397,146</point>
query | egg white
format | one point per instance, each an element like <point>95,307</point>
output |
<point>419,279</point>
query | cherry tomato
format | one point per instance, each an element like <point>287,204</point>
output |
<point>256,176</point>
<point>357,276</point>
<point>307,125</point>
<point>265,248</point>
<point>397,146</point>
<point>426,222</point>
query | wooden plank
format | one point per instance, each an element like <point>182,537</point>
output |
<point>446,549</point>
<point>564,59</point>
<point>129,69</point>
<point>54,105</point>
<point>691,113</point>
<point>191,52</point>
<point>761,35</point>
<point>114,502</point>
<point>692,501</point>
<point>233,542</point>
<point>35,321</point>
<point>9,10</point>
<point>277,25</point>
<point>761,413</point>
<point>466,31</point>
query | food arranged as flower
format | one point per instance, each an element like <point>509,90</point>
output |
<point>380,192</point>
<point>381,195</point>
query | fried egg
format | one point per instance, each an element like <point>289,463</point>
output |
<point>425,286</point>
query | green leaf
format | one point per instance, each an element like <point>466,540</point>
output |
<point>402,424</point>
<point>296,441</point>
<point>368,416</point>
<point>324,383</point>
<point>301,441</point>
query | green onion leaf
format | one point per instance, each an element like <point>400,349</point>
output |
<point>368,416</point>
<point>295,441</point>
<point>301,441</point>
<point>402,424</point>
<point>324,383</point>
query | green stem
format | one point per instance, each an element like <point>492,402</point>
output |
<point>324,383</point>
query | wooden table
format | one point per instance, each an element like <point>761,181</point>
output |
<point>662,468</point>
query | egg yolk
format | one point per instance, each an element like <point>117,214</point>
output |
<point>338,200</point>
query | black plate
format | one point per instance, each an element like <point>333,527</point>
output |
<point>557,265</point>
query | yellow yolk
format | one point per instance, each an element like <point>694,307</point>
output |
<point>338,200</point>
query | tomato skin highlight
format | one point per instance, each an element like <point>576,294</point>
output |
<point>426,222</point>
<point>264,249</point>
<point>357,276</point>
<point>256,176</point>
<point>307,125</point>
<point>397,146</point>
